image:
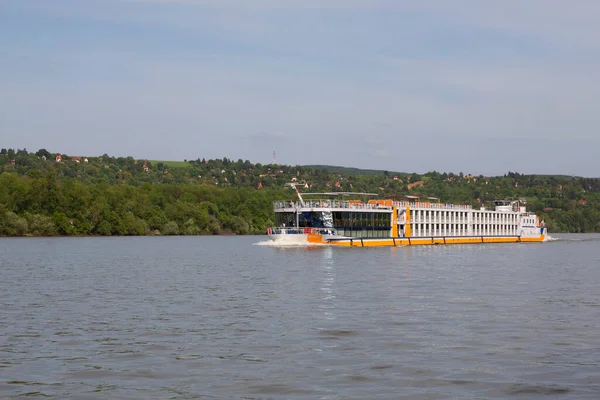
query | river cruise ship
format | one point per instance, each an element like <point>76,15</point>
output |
<point>340,221</point>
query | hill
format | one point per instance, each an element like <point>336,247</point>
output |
<point>351,170</point>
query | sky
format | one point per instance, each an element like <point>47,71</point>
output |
<point>466,86</point>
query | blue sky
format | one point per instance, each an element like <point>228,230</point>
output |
<point>463,85</point>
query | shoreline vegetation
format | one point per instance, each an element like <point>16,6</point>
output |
<point>53,194</point>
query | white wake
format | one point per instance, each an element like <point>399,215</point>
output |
<point>273,243</point>
<point>549,238</point>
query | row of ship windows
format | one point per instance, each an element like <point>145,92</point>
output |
<point>460,221</point>
<point>464,226</point>
<point>346,218</point>
<point>456,230</point>
<point>364,233</point>
<point>428,215</point>
<point>340,219</point>
<point>383,220</point>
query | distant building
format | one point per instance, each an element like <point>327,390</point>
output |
<point>58,158</point>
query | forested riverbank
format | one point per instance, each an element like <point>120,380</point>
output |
<point>43,206</point>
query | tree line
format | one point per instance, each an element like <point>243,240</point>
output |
<point>39,204</point>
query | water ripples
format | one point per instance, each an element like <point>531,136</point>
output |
<point>188,318</point>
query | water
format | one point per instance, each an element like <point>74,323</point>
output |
<point>220,317</point>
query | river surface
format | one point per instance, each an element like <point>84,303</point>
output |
<point>227,318</point>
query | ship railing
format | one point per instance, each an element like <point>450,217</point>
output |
<point>528,214</point>
<point>279,204</point>
<point>300,231</point>
<point>329,204</point>
<point>440,206</point>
